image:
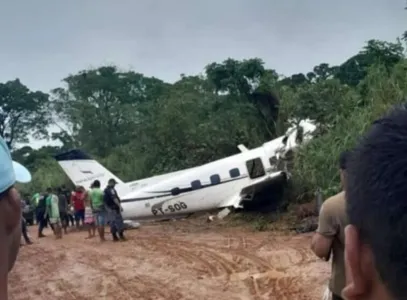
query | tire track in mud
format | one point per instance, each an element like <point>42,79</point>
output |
<point>248,266</point>
<point>225,267</point>
<point>273,281</point>
<point>205,262</point>
<point>60,288</point>
<point>126,287</point>
<point>27,281</point>
<point>64,290</point>
<point>203,259</point>
<point>274,284</point>
<point>238,255</point>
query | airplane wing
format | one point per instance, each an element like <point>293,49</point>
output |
<point>242,148</point>
<point>236,199</point>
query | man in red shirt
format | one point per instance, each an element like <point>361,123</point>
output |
<point>78,202</point>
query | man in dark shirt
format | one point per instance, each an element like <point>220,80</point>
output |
<point>24,223</point>
<point>68,193</point>
<point>114,209</point>
<point>63,209</point>
<point>40,215</point>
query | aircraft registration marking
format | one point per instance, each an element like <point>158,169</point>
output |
<point>179,206</point>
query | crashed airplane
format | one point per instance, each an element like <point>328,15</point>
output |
<point>231,182</point>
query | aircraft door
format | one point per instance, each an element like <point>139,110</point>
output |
<point>255,168</point>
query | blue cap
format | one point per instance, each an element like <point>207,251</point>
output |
<point>10,171</point>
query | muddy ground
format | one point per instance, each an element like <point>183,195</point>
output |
<point>183,259</point>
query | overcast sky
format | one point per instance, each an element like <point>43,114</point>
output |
<point>45,40</point>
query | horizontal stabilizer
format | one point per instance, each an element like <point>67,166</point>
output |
<point>83,170</point>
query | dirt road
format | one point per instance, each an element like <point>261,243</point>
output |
<point>172,260</point>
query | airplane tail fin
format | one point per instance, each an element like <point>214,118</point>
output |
<point>83,170</point>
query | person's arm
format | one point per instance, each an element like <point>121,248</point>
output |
<point>70,204</point>
<point>321,243</point>
<point>47,206</point>
<point>115,198</point>
<point>105,198</point>
<point>65,200</point>
<point>89,199</point>
<point>73,200</point>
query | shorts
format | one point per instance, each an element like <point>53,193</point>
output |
<point>80,215</point>
<point>89,220</point>
<point>100,218</point>
<point>55,221</point>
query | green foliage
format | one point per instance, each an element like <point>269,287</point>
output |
<point>48,175</point>
<point>140,126</point>
<point>317,163</point>
<point>22,112</point>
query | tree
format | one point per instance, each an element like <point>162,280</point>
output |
<point>139,126</point>
<point>355,69</point>
<point>33,158</point>
<point>236,77</point>
<point>22,112</point>
<point>404,36</point>
<point>248,81</point>
<point>295,80</point>
<point>103,107</point>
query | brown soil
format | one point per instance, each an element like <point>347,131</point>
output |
<point>184,259</point>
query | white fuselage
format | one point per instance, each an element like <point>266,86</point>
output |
<point>217,184</point>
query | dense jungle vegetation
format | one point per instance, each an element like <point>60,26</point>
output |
<point>138,126</point>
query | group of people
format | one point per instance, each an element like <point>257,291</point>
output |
<point>363,227</point>
<point>92,209</point>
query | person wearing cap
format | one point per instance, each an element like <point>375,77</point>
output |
<point>10,213</point>
<point>330,234</point>
<point>114,209</point>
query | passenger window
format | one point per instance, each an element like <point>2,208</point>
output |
<point>215,179</point>
<point>234,173</point>
<point>255,168</point>
<point>175,191</point>
<point>196,184</point>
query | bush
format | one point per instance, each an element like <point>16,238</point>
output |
<point>316,165</point>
